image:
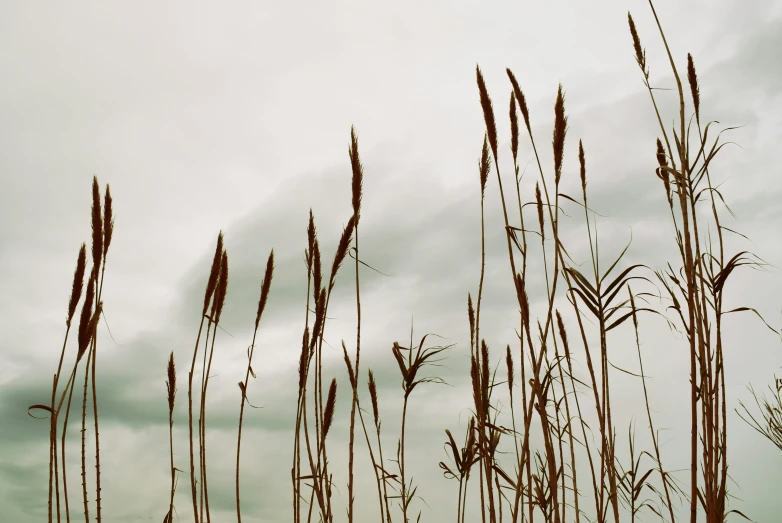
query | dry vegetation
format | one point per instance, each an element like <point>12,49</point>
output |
<point>552,456</point>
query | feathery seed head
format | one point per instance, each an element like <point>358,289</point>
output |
<point>84,320</point>
<point>373,397</point>
<point>171,383</point>
<point>214,273</point>
<point>328,416</point>
<point>560,130</point>
<point>89,331</point>
<point>310,241</point>
<point>97,228</point>
<point>78,283</point>
<point>692,78</point>
<point>539,205</point>
<point>582,163</point>
<point>303,357</point>
<point>475,378</point>
<point>520,98</point>
<point>509,365</point>
<point>661,158</point>
<point>342,249</point>
<point>488,113</point>
<point>349,365</point>
<point>519,283</point>
<point>358,171</point>
<point>525,308</point>
<point>222,287</point>
<point>317,272</point>
<point>563,334</point>
<point>640,53</point>
<point>514,128</point>
<point>265,286</point>
<point>484,166</point>
<point>471,316</point>
<point>108,221</point>
<point>485,370</point>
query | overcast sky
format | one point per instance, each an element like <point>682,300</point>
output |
<point>236,116</point>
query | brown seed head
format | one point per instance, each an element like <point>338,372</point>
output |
<point>525,309</point>
<point>373,397</point>
<point>349,365</point>
<point>519,288</point>
<point>471,316</point>
<point>488,113</point>
<point>563,335</point>
<point>91,328</point>
<point>476,386</point>
<point>342,249</point>
<point>78,283</point>
<point>317,272</point>
<point>692,78</point>
<point>310,240</point>
<point>97,228</point>
<point>509,365</point>
<point>303,357</point>
<point>222,287</point>
<point>640,53</point>
<point>108,221</point>
<point>582,163</point>
<point>358,172</point>
<point>328,416</point>
<point>520,98</point>
<point>514,128</point>
<point>320,312</point>
<point>84,320</point>
<point>214,273</point>
<point>539,204</point>
<point>265,286</point>
<point>485,370</point>
<point>171,383</point>
<point>484,166</point>
<point>560,130</point>
<point>661,158</point>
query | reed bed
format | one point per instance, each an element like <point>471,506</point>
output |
<point>541,443</point>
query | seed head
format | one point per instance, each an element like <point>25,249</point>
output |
<point>560,130</point>
<point>488,113</point>
<point>328,416</point>
<point>514,128</point>
<point>108,221</point>
<point>358,171</point>
<point>582,163</point>
<point>484,166</point>
<point>373,397</point>
<point>86,316</point>
<point>692,78</point>
<point>640,54</point>
<point>214,273</point>
<point>78,283</point>
<point>509,365</point>
<point>222,288</point>
<point>520,98</point>
<point>171,383</point>
<point>265,286</point>
<point>97,228</point>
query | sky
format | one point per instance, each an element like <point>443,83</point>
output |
<point>236,116</point>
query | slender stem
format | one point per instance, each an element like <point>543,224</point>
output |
<point>190,421</point>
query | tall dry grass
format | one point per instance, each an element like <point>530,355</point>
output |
<point>563,461</point>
